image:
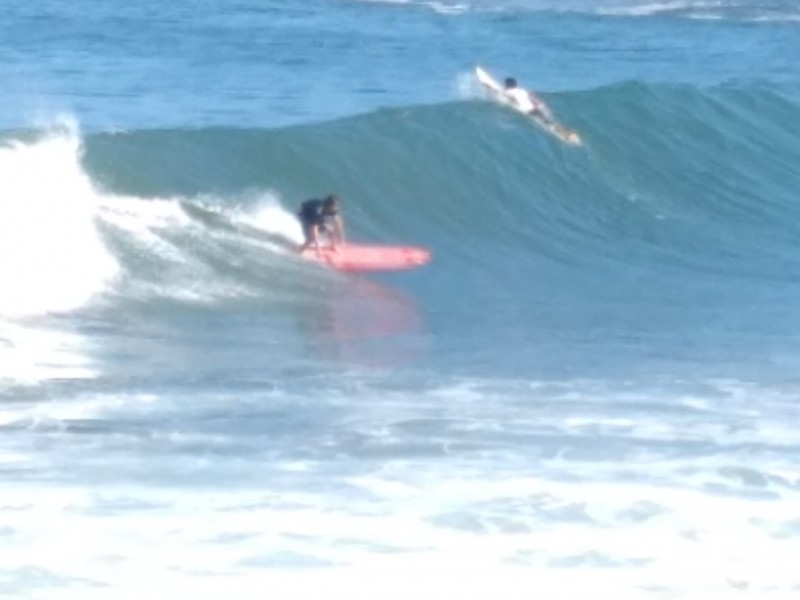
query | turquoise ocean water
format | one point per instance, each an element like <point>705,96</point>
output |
<point>591,392</point>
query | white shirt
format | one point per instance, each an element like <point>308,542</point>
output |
<point>520,98</point>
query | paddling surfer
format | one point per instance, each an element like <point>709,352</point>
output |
<point>526,101</point>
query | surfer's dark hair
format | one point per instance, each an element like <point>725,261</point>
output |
<point>511,82</point>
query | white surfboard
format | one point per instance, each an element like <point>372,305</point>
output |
<point>553,127</point>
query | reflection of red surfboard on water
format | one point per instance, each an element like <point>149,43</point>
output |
<point>544,120</point>
<point>356,257</point>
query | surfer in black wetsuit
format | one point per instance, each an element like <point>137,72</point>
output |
<point>321,217</point>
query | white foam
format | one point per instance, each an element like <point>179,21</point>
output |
<point>31,353</point>
<point>52,258</point>
<point>266,213</point>
<point>449,9</point>
<point>174,234</point>
<point>442,8</point>
<point>637,9</point>
<point>690,9</point>
<point>680,494</point>
<point>700,10</point>
<point>467,86</point>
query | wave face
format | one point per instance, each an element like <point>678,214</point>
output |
<point>678,217</point>
<point>666,166</point>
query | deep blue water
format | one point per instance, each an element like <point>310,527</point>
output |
<point>591,391</point>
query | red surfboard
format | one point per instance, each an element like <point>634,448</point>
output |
<point>356,257</point>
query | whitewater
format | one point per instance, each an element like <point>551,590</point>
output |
<point>591,391</point>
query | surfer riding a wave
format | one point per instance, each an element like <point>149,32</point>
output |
<point>318,217</point>
<point>323,230</point>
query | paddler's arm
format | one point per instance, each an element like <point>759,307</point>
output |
<point>540,107</point>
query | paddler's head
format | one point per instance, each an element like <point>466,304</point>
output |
<point>510,83</point>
